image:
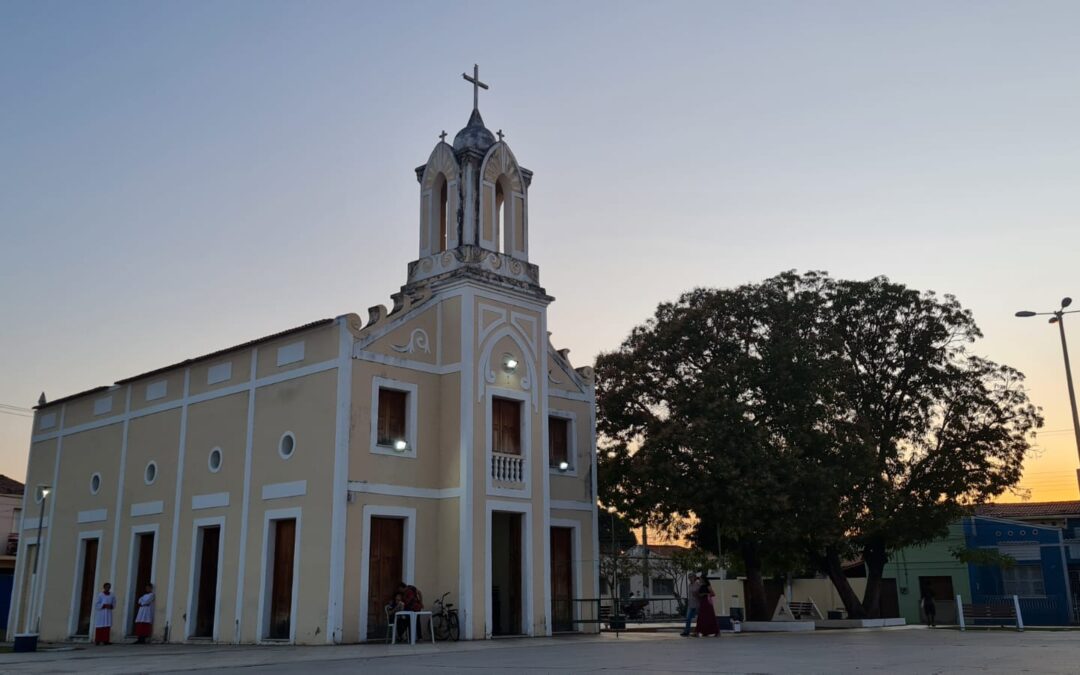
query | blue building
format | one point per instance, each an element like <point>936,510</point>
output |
<point>1064,515</point>
<point>1040,576</point>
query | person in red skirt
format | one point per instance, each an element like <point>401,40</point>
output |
<point>707,623</point>
<point>103,615</point>
<point>144,620</point>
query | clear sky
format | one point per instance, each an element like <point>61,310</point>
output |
<point>177,177</point>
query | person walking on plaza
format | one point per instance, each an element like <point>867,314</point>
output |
<point>929,607</point>
<point>706,618</point>
<point>144,620</point>
<point>692,600</point>
<point>103,615</point>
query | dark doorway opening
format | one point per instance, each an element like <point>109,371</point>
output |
<point>144,574</point>
<point>506,576</point>
<point>944,598</point>
<point>85,592</point>
<point>206,581</point>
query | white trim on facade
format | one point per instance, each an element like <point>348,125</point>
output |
<point>403,490</point>
<point>290,353</point>
<point>467,448</point>
<point>249,443</point>
<point>296,488</point>
<point>121,474</point>
<point>147,508</point>
<point>195,572</point>
<point>570,505</point>
<point>156,390</point>
<point>76,582</point>
<point>219,372</point>
<point>412,404</point>
<point>192,399</point>
<point>399,362</point>
<point>209,501</point>
<point>131,592</point>
<point>338,511</point>
<point>575,560</point>
<point>525,509</point>
<point>92,516</point>
<point>545,476</point>
<point>571,443</point>
<point>408,555</point>
<point>181,452</point>
<point>526,443</point>
<point>267,579</point>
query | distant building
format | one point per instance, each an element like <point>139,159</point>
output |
<point>1039,576</point>
<point>11,493</point>
<point>1064,515</point>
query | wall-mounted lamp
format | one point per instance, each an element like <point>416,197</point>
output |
<point>564,465</point>
<point>510,364</point>
<point>401,445</point>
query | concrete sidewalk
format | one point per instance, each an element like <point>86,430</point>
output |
<point>912,649</point>
<point>132,658</point>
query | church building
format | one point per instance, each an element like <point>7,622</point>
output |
<point>277,490</point>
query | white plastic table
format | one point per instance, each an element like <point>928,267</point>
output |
<point>412,625</point>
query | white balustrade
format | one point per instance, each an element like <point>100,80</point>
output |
<point>507,468</point>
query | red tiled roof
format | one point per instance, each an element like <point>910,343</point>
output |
<point>10,486</point>
<point>1029,509</point>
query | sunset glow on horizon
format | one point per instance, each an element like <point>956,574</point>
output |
<point>176,178</point>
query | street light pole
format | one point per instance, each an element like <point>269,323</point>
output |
<point>1068,378</point>
<point>45,489</point>
<point>1058,317</point>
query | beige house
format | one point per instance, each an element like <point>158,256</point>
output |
<point>276,490</point>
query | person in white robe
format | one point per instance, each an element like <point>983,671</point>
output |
<point>144,619</point>
<point>103,609</point>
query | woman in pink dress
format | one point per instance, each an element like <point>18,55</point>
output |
<point>706,618</point>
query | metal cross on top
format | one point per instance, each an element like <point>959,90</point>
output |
<point>500,134</point>
<point>477,85</point>
<point>442,136</point>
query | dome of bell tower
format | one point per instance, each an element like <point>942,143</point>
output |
<point>475,136</point>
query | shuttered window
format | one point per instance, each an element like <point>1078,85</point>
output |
<point>392,407</point>
<point>506,426</point>
<point>558,440</point>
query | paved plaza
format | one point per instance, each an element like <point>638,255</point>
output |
<point>905,650</point>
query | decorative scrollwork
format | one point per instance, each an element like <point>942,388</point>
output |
<point>418,341</point>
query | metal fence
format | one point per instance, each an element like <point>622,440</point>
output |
<point>622,614</point>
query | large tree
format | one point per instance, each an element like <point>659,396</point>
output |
<point>810,420</point>
<point>934,428</point>
<point>699,407</point>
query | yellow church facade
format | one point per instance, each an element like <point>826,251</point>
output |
<point>277,490</point>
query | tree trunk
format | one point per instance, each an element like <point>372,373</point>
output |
<point>875,556</point>
<point>831,565</point>
<point>757,607</point>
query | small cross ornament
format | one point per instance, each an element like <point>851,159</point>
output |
<point>499,133</point>
<point>442,136</point>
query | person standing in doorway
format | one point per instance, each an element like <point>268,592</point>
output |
<point>144,620</point>
<point>692,599</point>
<point>103,615</point>
<point>928,606</point>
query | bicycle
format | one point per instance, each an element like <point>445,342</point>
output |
<point>444,619</point>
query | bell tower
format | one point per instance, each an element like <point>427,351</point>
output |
<point>474,208</point>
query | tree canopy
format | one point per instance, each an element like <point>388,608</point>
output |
<point>809,420</point>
